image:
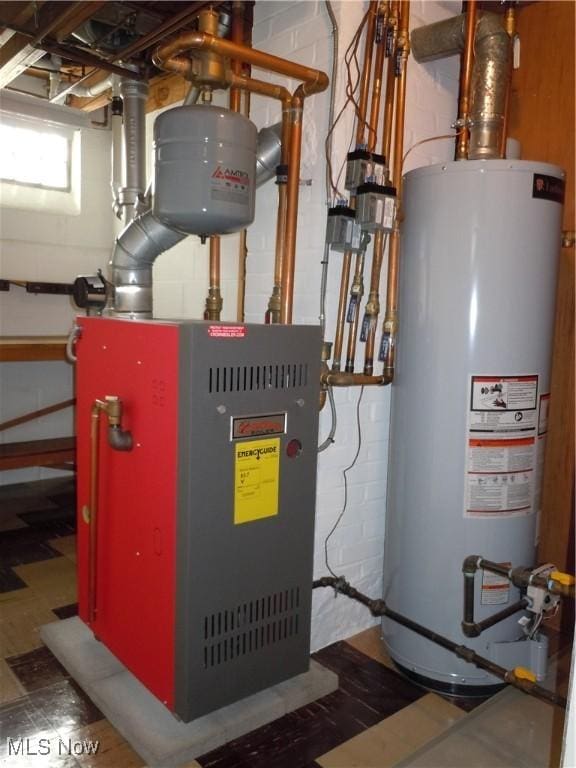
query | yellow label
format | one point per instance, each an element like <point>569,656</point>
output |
<point>256,473</point>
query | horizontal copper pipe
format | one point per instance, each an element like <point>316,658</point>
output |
<point>167,56</point>
<point>261,87</point>
<point>339,379</point>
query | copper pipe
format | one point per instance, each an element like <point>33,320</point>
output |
<point>366,70</point>
<point>214,299</point>
<point>466,64</point>
<point>361,125</point>
<point>337,379</point>
<point>389,329</point>
<point>262,87</point>
<point>510,25</point>
<point>283,94</point>
<point>237,36</point>
<point>292,189</point>
<point>242,256</point>
<point>372,309</point>
<point>377,84</point>
<point>356,293</point>
<point>342,302</point>
<point>91,514</point>
<point>167,56</point>
<point>390,86</point>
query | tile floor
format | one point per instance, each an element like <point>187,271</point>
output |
<point>375,719</point>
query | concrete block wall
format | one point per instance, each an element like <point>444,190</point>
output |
<point>301,31</point>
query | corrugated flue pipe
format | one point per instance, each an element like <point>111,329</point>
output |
<point>490,77</point>
<point>134,94</point>
<point>138,246</point>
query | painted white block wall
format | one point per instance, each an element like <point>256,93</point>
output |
<point>301,31</point>
<point>47,246</point>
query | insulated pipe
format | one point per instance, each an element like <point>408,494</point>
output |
<point>490,74</point>
<point>134,94</point>
<point>137,248</point>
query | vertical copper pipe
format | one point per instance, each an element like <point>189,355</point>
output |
<point>510,24</point>
<point>390,85</point>
<point>93,509</point>
<point>357,290</point>
<point>372,310</point>
<point>383,9</point>
<point>373,303</point>
<point>360,135</point>
<point>275,302</point>
<point>237,36</point>
<point>366,70</point>
<point>390,320</point>
<point>214,299</point>
<point>466,65</point>
<point>292,190</point>
<point>341,317</point>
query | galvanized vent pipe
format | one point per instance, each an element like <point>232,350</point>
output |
<point>490,77</point>
<point>146,237</point>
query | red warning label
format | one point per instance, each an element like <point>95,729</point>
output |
<point>227,331</point>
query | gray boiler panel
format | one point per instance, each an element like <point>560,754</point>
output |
<point>243,598</point>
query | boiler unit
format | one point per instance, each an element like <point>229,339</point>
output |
<point>196,503</point>
<point>469,405</point>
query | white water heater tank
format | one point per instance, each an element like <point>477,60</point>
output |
<point>470,402</point>
<point>205,170</point>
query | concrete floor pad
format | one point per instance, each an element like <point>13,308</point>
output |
<point>146,724</point>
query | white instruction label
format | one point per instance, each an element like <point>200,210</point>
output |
<point>495,588</point>
<point>501,446</point>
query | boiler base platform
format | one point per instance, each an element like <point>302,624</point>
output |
<point>157,736</point>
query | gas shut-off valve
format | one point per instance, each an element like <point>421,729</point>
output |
<point>540,600</point>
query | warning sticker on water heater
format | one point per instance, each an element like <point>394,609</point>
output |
<point>501,446</point>
<point>256,480</point>
<point>495,588</point>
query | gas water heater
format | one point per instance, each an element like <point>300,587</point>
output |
<point>469,403</point>
<point>196,544</point>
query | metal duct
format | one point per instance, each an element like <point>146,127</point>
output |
<point>134,94</point>
<point>491,74</point>
<point>145,238</point>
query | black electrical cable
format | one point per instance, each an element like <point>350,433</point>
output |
<point>345,475</point>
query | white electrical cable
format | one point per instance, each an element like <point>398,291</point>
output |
<point>345,475</point>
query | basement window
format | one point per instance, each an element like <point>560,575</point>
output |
<point>35,157</point>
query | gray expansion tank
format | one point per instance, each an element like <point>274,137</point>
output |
<point>205,170</point>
